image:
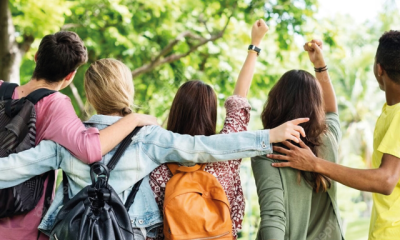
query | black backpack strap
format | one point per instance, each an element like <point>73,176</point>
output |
<point>121,149</point>
<point>111,165</point>
<point>51,176</point>
<point>7,90</point>
<point>132,195</point>
<point>65,188</point>
<point>38,94</point>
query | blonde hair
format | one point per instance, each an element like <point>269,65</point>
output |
<point>109,87</point>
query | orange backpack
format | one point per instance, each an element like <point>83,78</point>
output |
<point>195,206</point>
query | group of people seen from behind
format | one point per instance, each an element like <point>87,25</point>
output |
<point>294,158</point>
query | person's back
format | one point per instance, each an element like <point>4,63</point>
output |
<point>55,120</point>
<point>384,178</point>
<point>194,112</point>
<point>58,57</point>
<point>294,207</point>
<point>300,205</point>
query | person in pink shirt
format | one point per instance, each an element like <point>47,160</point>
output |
<point>58,58</point>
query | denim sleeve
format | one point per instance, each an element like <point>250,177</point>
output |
<point>19,167</point>
<point>165,146</point>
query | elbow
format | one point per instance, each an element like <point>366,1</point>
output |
<point>386,191</point>
<point>387,186</point>
<point>89,158</point>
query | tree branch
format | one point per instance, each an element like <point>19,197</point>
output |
<point>160,59</point>
<point>25,45</point>
<point>204,22</point>
<point>69,26</point>
<point>78,99</point>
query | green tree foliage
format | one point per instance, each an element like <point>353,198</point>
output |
<point>204,40</point>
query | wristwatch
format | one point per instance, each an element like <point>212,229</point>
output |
<point>254,48</point>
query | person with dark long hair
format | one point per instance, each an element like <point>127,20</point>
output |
<point>299,205</point>
<point>383,180</point>
<point>194,112</point>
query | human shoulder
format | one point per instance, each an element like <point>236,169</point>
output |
<point>55,103</point>
<point>330,140</point>
<point>56,97</point>
<point>236,102</point>
<point>334,131</point>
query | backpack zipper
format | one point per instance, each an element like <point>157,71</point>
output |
<point>206,238</point>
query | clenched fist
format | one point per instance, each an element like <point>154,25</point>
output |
<point>258,31</point>
<point>314,50</point>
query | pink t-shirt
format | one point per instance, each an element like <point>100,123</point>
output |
<point>56,120</point>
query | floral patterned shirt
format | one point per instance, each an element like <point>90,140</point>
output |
<point>227,173</point>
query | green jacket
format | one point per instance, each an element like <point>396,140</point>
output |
<point>291,210</point>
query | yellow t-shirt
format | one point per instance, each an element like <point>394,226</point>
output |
<point>385,217</point>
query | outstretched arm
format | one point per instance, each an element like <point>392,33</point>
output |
<point>243,83</point>
<point>381,180</point>
<point>314,50</point>
<point>165,146</point>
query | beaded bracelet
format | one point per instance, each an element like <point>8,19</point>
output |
<point>321,69</point>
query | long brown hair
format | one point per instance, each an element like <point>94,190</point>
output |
<point>194,110</point>
<point>297,94</point>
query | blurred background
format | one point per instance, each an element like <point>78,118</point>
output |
<point>167,42</point>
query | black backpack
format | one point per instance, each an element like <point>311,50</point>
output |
<point>18,133</point>
<point>96,212</point>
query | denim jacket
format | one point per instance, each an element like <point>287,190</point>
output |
<point>151,147</point>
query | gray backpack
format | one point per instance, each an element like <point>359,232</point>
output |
<point>18,133</point>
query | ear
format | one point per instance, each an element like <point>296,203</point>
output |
<point>70,76</point>
<point>379,69</point>
<point>36,57</point>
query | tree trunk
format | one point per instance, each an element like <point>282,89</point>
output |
<point>6,56</point>
<point>11,53</point>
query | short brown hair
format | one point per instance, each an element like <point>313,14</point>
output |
<point>297,94</point>
<point>194,110</point>
<point>59,54</point>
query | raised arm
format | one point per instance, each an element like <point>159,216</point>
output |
<point>243,83</point>
<point>314,50</point>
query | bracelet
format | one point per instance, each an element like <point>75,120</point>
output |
<point>321,69</point>
<point>255,49</point>
<point>253,52</point>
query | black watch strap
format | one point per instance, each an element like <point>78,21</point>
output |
<point>254,48</point>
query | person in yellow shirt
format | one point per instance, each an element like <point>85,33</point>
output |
<point>384,179</point>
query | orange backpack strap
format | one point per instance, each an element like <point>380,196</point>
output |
<point>175,168</point>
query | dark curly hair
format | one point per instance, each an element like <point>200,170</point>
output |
<point>388,54</point>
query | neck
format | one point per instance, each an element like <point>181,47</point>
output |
<point>392,92</point>
<point>35,84</point>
